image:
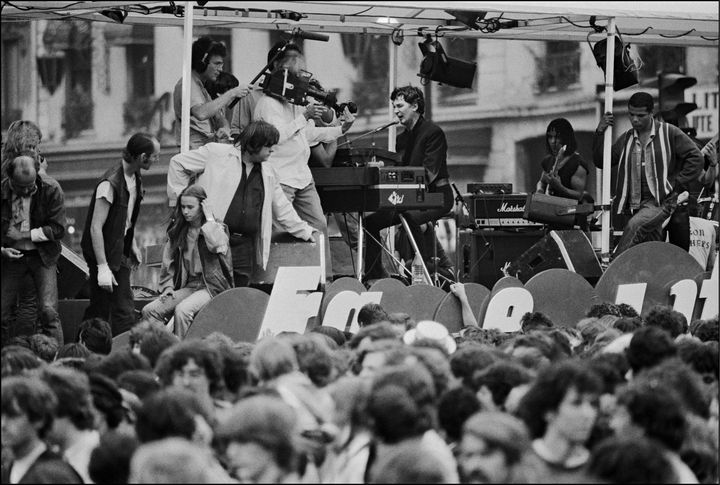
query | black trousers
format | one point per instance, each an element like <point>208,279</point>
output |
<point>679,227</point>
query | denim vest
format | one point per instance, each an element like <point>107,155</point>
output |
<point>117,243</point>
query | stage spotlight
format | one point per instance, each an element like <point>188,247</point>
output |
<point>468,17</point>
<point>116,15</point>
<point>437,66</point>
<point>625,70</point>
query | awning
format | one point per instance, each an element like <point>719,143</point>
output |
<point>665,22</point>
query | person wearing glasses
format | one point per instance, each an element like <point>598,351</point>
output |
<point>25,135</point>
<point>108,242</point>
<point>32,212</point>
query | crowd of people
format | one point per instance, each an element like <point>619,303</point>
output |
<point>618,398</point>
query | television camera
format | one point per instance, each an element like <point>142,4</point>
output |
<point>296,88</point>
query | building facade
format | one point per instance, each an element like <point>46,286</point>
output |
<point>90,85</point>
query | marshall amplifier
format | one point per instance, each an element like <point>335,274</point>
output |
<point>500,210</point>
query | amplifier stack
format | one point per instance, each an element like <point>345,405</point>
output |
<point>500,211</point>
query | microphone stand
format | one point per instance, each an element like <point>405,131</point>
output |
<point>371,132</point>
<point>459,205</point>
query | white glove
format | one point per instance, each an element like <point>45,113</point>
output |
<point>106,279</point>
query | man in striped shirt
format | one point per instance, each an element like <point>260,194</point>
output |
<point>656,163</point>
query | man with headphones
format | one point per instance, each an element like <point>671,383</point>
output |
<point>207,120</point>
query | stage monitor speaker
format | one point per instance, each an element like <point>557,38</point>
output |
<point>485,252</point>
<point>569,249</point>
<point>73,275</point>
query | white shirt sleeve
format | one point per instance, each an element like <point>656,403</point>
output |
<point>38,235</point>
<point>324,134</point>
<point>105,191</point>
<point>272,111</point>
<point>182,166</point>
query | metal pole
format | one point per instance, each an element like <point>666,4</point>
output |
<point>416,249</point>
<point>392,80</point>
<point>34,81</point>
<point>360,250</point>
<point>186,79</point>
<point>607,146</point>
<point>392,132</point>
<point>595,237</point>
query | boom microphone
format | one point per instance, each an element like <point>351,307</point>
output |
<point>310,35</point>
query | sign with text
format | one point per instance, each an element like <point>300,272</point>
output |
<point>649,274</point>
<point>705,118</point>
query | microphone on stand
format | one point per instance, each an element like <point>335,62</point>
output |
<point>459,199</point>
<point>381,128</point>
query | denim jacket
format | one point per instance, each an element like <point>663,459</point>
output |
<point>47,212</point>
<point>215,258</point>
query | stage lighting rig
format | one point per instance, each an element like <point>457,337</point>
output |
<point>115,14</point>
<point>437,66</point>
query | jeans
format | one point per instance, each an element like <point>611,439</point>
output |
<point>24,318</point>
<point>184,305</point>
<point>14,272</point>
<point>348,225</point>
<point>306,202</point>
<point>116,308</point>
<point>645,225</point>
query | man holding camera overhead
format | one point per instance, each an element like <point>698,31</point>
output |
<point>297,128</point>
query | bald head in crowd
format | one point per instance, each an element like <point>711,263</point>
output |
<point>23,168</point>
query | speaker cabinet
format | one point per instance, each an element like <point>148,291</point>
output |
<point>569,249</point>
<point>485,252</point>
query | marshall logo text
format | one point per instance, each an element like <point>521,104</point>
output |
<point>505,207</point>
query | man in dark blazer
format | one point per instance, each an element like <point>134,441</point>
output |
<point>423,144</point>
<point>28,411</point>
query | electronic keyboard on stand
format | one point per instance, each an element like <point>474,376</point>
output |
<point>371,188</point>
<point>365,189</point>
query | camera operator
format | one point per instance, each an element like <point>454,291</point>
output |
<point>207,117</point>
<point>242,114</point>
<point>297,128</point>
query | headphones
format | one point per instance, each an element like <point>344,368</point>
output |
<point>202,64</point>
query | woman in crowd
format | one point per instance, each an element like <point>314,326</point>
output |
<point>196,263</point>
